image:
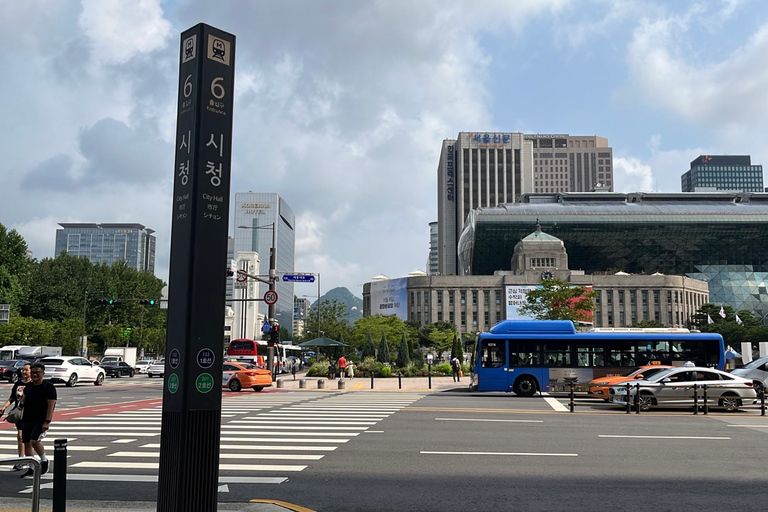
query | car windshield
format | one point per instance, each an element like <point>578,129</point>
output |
<point>662,374</point>
<point>652,371</point>
<point>52,361</point>
<point>631,373</point>
<point>756,363</point>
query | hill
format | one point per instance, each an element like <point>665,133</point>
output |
<point>354,305</point>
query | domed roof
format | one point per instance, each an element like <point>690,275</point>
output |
<point>540,236</point>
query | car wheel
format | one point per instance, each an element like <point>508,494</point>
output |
<point>131,374</point>
<point>258,388</point>
<point>14,378</point>
<point>99,380</point>
<point>72,382</point>
<point>525,386</point>
<point>149,375</point>
<point>730,402</point>
<point>759,387</point>
<point>235,385</point>
<point>646,401</point>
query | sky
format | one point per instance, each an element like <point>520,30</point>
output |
<point>341,106</point>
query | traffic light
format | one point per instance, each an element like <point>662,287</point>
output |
<point>149,302</point>
<point>110,302</point>
<point>274,336</point>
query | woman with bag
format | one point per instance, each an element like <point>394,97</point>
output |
<point>15,399</point>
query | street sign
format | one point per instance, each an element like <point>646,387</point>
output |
<point>267,327</point>
<point>270,297</point>
<point>299,278</point>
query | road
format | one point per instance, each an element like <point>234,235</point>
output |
<point>375,450</point>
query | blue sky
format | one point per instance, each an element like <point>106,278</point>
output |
<point>341,106</point>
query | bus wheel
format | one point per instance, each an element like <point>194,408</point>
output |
<point>235,385</point>
<point>525,386</point>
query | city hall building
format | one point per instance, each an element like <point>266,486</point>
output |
<point>718,238</point>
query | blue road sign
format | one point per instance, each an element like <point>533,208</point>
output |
<point>266,327</point>
<point>299,278</point>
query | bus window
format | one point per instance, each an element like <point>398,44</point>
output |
<point>557,354</point>
<point>494,354</point>
<point>590,355</point>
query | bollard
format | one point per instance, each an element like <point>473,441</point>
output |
<point>762,401</point>
<point>280,383</point>
<point>706,404</point>
<point>342,384</point>
<point>320,384</point>
<point>302,383</point>
<point>59,475</point>
<point>637,399</point>
<point>695,399</point>
<point>399,380</point>
<point>629,407</point>
<point>571,404</point>
<point>371,379</point>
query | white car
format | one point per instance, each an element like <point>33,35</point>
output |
<point>71,370</point>
<point>143,366</point>
<point>157,368</point>
<point>675,387</point>
<point>756,371</point>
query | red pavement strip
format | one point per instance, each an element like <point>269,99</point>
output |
<point>95,410</point>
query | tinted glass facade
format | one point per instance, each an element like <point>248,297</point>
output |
<point>108,243</point>
<point>719,238</point>
<point>723,172</point>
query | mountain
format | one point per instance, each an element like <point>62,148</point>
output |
<point>354,304</point>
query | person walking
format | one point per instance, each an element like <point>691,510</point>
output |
<point>15,398</point>
<point>39,401</point>
<point>351,370</point>
<point>332,370</point>
<point>456,367</point>
<point>342,367</point>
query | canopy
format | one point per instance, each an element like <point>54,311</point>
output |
<point>322,342</point>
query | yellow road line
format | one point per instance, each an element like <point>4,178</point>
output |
<point>285,504</point>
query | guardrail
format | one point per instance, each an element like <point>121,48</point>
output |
<point>35,477</point>
<point>700,396</point>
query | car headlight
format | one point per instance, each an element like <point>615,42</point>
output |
<point>600,384</point>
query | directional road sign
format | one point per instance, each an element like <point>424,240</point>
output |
<point>299,278</point>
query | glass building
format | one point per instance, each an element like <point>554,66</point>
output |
<point>108,243</point>
<point>719,238</point>
<point>256,215</point>
<point>727,173</point>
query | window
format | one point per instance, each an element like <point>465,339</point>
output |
<point>450,299</point>
<point>494,354</point>
<point>463,297</point>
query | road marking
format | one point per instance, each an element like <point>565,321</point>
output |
<point>123,441</point>
<point>503,453</point>
<point>280,421</point>
<point>297,434</point>
<point>665,437</point>
<point>262,456</point>
<point>74,448</point>
<point>374,431</point>
<point>106,477</point>
<point>155,465</point>
<point>750,426</point>
<point>283,440</point>
<point>290,427</point>
<point>261,447</point>
<point>482,419</point>
<point>556,405</point>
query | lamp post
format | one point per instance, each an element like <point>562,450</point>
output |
<point>429,370</point>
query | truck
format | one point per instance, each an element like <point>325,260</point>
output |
<point>127,354</point>
<point>11,352</point>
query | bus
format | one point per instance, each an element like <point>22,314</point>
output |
<point>252,351</point>
<point>285,355</point>
<point>526,356</point>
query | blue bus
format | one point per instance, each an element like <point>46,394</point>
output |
<point>526,356</point>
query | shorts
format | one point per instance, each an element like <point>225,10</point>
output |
<point>32,431</point>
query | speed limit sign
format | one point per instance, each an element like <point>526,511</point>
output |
<point>270,297</point>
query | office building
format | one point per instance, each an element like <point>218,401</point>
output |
<point>481,170</point>
<point>108,243</point>
<point>300,316</point>
<point>432,266</point>
<point>260,219</point>
<point>720,238</point>
<point>723,173</point>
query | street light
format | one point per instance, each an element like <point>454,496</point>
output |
<point>430,357</point>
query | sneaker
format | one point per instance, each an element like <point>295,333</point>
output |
<point>43,467</point>
<point>19,467</point>
<point>28,472</point>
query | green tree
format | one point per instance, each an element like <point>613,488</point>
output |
<point>441,340</point>
<point>646,324</point>
<point>369,349</point>
<point>456,350</point>
<point>382,355</point>
<point>403,353</point>
<point>377,325</point>
<point>27,331</point>
<point>332,322</point>
<point>559,300</point>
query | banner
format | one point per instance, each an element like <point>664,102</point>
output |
<point>516,298</point>
<point>390,298</point>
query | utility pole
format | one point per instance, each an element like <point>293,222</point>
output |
<point>271,310</point>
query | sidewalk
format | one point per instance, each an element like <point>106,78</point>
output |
<point>284,382</point>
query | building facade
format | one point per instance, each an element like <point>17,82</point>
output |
<point>109,243</point>
<point>571,163</point>
<point>259,220</point>
<point>725,173</point>
<point>432,264</point>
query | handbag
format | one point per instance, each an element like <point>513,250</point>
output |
<point>15,414</point>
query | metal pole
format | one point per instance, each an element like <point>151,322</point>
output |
<point>271,310</point>
<point>429,371</point>
<point>319,335</point>
<point>59,475</point>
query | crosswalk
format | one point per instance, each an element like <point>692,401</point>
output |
<point>264,438</point>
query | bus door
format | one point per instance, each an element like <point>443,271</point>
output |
<point>492,366</point>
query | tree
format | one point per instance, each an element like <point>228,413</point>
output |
<point>456,350</point>
<point>332,323</point>
<point>403,353</point>
<point>383,353</point>
<point>559,300</point>
<point>377,325</point>
<point>646,324</point>
<point>369,349</point>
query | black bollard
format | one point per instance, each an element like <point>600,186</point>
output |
<point>637,399</point>
<point>762,401</point>
<point>695,399</point>
<point>429,370</point>
<point>629,405</point>
<point>570,384</point>
<point>371,379</point>
<point>706,399</point>
<point>399,380</point>
<point>59,475</point>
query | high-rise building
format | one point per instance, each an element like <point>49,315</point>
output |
<point>108,243</point>
<point>432,267</point>
<point>483,170</point>
<point>260,219</point>
<point>724,173</point>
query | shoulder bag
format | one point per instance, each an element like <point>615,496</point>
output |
<point>14,414</point>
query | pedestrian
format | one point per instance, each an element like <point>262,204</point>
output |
<point>342,367</point>
<point>351,370</point>
<point>294,364</point>
<point>15,398</point>
<point>39,401</point>
<point>332,370</point>
<point>456,367</point>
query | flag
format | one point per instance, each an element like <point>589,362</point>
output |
<point>738,320</point>
<point>709,320</point>
<point>722,311</point>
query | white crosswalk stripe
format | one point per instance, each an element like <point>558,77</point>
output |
<point>293,429</point>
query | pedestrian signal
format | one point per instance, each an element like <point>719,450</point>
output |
<point>148,302</point>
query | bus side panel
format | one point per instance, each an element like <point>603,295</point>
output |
<point>492,379</point>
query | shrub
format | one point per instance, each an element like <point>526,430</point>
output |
<point>319,369</point>
<point>386,371</point>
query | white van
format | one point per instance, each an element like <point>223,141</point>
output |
<point>757,370</point>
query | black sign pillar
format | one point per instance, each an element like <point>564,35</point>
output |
<point>191,424</point>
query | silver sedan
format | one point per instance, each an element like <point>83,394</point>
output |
<point>675,387</point>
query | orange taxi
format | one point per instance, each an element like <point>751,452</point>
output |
<point>598,388</point>
<point>245,375</point>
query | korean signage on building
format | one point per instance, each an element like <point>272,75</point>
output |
<point>390,298</point>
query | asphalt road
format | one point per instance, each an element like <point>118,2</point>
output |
<point>337,451</point>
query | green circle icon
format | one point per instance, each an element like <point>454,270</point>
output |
<point>173,383</point>
<point>204,382</point>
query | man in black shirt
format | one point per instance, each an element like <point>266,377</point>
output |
<point>39,400</point>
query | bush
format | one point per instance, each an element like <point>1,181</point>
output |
<point>385,371</point>
<point>319,369</point>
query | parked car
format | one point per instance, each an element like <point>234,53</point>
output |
<point>157,368</point>
<point>675,387</point>
<point>599,387</point>
<point>245,375</point>
<point>142,366</point>
<point>117,369</point>
<point>9,370</point>
<point>756,371</point>
<point>71,370</point>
